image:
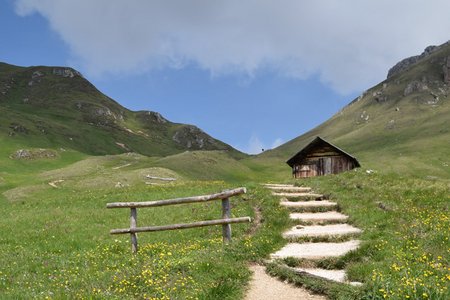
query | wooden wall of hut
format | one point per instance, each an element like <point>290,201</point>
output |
<point>322,162</point>
<point>320,157</point>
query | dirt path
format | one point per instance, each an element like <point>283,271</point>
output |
<point>265,287</point>
<point>256,220</point>
<point>311,208</point>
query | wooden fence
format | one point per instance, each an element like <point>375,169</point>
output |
<point>225,221</point>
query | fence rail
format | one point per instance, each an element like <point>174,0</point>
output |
<point>204,198</point>
<point>226,220</point>
<point>181,226</point>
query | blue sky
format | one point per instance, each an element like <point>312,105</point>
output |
<point>253,74</point>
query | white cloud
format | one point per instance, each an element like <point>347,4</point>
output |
<point>277,142</point>
<point>348,44</point>
<point>256,146</point>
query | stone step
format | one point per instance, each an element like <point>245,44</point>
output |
<point>315,250</point>
<point>321,230</point>
<point>308,204</point>
<point>332,216</point>
<point>269,185</point>
<point>292,189</point>
<point>299,195</point>
<point>333,275</point>
<point>295,189</point>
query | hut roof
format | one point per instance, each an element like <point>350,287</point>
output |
<point>314,143</point>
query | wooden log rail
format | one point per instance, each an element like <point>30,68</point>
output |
<point>204,198</point>
<point>226,220</point>
<point>181,226</point>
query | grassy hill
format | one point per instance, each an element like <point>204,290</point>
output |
<point>401,125</point>
<point>56,107</point>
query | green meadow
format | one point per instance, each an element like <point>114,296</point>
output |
<point>55,241</point>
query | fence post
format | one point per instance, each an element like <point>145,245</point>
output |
<point>133,224</point>
<point>226,214</point>
<point>226,220</point>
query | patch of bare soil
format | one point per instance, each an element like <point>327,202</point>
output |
<point>256,221</point>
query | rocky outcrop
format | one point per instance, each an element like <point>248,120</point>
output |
<point>363,118</point>
<point>408,62</point>
<point>103,116</point>
<point>446,69</point>
<point>33,154</point>
<point>6,86</point>
<point>66,72</point>
<point>36,77</point>
<point>152,117</point>
<point>415,86</point>
<point>37,74</point>
<point>19,128</point>
<point>379,96</point>
<point>98,115</point>
<point>192,137</point>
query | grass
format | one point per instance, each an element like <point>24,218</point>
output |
<point>405,241</point>
<point>55,242</point>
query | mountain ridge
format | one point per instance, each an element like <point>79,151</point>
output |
<point>401,124</point>
<point>405,63</point>
<point>59,106</point>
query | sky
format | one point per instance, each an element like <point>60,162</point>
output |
<point>252,73</point>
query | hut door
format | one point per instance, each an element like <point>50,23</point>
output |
<point>325,164</point>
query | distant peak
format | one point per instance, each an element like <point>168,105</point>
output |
<point>408,62</point>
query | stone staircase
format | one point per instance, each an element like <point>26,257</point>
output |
<point>319,217</point>
<point>320,230</point>
<point>321,225</point>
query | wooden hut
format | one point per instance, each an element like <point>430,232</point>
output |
<point>321,158</point>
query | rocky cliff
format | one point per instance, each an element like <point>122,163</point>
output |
<point>406,63</point>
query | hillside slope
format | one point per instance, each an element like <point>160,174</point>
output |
<point>56,107</point>
<point>401,125</point>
